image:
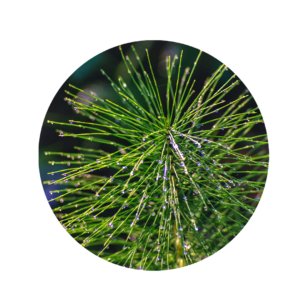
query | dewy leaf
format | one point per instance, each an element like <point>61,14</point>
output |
<point>186,169</point>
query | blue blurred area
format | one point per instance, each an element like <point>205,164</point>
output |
<point>44,169</point>
<point>87,67</point>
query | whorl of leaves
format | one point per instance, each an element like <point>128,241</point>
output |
<point>187,172</point>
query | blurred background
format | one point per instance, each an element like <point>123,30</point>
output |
<point>89,78</point>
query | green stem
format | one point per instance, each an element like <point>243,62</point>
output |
<point>178,246</point>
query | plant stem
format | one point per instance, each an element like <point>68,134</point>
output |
<point>179,262</point>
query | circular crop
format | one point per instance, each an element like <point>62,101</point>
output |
<point>163,167</point>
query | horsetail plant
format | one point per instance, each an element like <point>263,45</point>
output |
<point>186,171</point>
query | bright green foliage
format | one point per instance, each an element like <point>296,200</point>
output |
<point>188,172</point>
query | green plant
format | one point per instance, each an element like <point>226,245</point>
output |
<point>185,170</point>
